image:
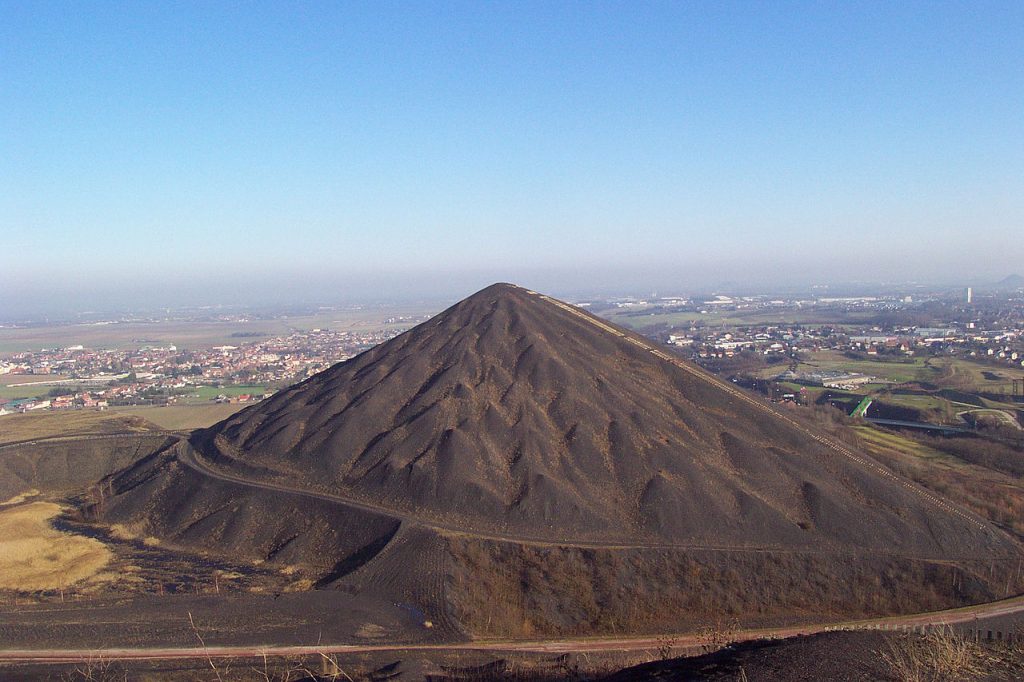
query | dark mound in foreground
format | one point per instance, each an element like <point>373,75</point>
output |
<point>846,656</point>
<point>842,657</point>
<point>514,412</point>
<point>517,466</point>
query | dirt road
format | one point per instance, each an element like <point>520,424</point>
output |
<point>1003,608</point>
<point>192,459</point>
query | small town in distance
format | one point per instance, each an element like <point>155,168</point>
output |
<point>789,347</point>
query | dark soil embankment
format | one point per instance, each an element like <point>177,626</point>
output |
<point>163,498</point>
<point>297,618</point>
<point>507,590</point>
<point>840,656</point>
<point>882,410</point>
<point>63,466</point>
<point>319,544</point>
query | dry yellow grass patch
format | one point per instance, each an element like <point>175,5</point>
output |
<point>35,556</point>
<point>19,498</point>
<point>123,531</point>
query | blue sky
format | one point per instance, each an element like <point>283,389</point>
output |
<point>228,150</point>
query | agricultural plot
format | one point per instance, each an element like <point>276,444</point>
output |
<point>903,371</point>
<point>194,333</point>
<point>183,417</point>
<point>9,379</point>
<point>206,393</point>
<point>937,389</point>
<point>21,427</point>
<point>643,319</point>
<point>24,392</point>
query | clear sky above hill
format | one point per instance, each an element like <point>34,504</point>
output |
<point>212,151</point>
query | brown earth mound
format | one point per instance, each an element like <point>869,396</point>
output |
<point>511,411</point>
<point>515,446</point>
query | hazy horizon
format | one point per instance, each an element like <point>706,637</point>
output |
<point>164,155</point>
<point>314,290</point>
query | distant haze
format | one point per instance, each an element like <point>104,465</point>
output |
<point>61,299</point>
<point>164,155</point>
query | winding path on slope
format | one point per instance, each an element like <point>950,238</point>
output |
<point>191,458</point>
<point>46,440</point>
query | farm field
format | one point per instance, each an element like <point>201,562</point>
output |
<point>640,320</point>
<point>12,379</point>
<point>972,376</point>
<point>196,410</point>
<point>991,493</point>
<point>912,369</point>
<point>182,417</point>
<point>19,392</point>
<point>207,393</point>
<point>939,390</point>
<point>197,333</point>
<point>19,427</point>
<point>947,372</point>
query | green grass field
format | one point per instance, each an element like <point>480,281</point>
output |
<point>16,392</point>
<point>920,402</point>
<point>8,379</point>
<point>956,374</point>
<point>831,361</point>
<point>893,443</point>
<point>971,376</point>
<point>896,371</point>
<point>206,393</point>
<point>198,394</point>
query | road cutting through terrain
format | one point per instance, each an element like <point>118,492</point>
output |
<point>190,457</point>
<point>950,617</point>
